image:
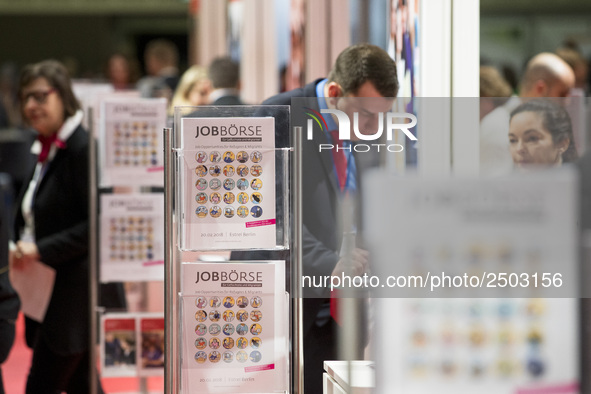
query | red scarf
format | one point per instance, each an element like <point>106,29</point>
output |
<point>46,142</point>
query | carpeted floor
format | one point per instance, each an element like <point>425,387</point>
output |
<point>15,369</point>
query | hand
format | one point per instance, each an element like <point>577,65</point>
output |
<point>15,260</point>
<point>359,264</point>
<point>28,251</point>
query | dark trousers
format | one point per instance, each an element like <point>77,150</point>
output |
<point>319,345</point>
<point>6,341</point>
<point>52,373</point>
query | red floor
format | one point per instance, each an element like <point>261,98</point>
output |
<point>14,370</point>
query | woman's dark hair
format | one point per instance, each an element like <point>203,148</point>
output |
<point>556,120</point>
<point>57,76</point>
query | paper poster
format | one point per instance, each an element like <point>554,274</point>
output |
<point>86,93</point>
<point>231,342</point>
<point>461,238</point>
<point>118,345</point>
<point>132,237</point>
<point>483,345</point>
<point>132,151</point>
<point>152,346</point>
<point>228,180</point>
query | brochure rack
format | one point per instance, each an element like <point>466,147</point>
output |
<point>127,244</point>
<point>227,191</point>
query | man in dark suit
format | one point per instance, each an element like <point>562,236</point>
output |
<point>363,71</point>
<point>224,74</point>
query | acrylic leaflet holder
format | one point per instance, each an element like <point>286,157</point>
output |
<point>227,191</point>
<point>234,177</point>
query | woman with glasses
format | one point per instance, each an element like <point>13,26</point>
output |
<point>52,227</point>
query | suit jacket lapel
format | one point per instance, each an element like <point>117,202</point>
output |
<point>59,156</point>
<point>321,138</point>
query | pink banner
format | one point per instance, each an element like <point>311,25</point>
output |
<point>259,223</point>
<point>155,169</point>
<point>259,368</point>
<point>567,388</point>
<point>149,263</point>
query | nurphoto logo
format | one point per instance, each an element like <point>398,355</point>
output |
<point>394,121</point>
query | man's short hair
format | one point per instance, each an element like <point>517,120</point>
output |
<point>360,63</point>
<point>163,50</point>
<point>224,73</point>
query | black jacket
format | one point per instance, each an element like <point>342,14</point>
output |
<point>62,237</point>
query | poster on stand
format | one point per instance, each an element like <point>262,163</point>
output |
<point>234,337</point>
<point>480,345</point>
<point>228,181</point>
<point>132,152</point>
<point>482,335</point>
<point>151,357</point>
<point>118,345</point>
<point>132,237</point>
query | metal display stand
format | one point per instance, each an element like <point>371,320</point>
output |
<point>189,216</point>
<point>132,297</point>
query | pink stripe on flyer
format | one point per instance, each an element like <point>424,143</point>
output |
<point>155,169</point>
<point>149,263</point>
<point>257,368</point>
<point>259,223</point>
<point>568,388</point>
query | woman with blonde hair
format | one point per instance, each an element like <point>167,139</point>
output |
<point>193,89</point>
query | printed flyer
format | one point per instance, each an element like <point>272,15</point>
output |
<point>132,237</point>
<point>477,338</point>
<point>118,345</point>
<point>228,176</point>
<point>132,151</point>
<point>152,345</point>
<point>234,336</point>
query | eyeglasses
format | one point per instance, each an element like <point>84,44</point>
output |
<point>40,96</point>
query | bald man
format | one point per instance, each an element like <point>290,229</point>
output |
<point>546,75</point>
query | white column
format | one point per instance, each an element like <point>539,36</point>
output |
<point>211,30</point>
<point>259,66</point>
<point>328,32</point>
<point>465,83</point>
<point>449,64</point>
<point>339,28</point>
<point>434,113</point>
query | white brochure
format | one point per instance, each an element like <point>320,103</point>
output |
<point>234,333</point>
<point>132,151</point>
<point>228,183</point>
<point>132,237</point>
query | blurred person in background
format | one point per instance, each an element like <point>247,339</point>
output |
<point>492,85</point>
<point>161,61</point>
<point>579,65</point>
<point>9,114</point>
<point>225,78</point>
<point>52,227</point>
<point>546,75</point>
<point>122,71</point>
<point>541,135</point>
<point>193,89</point>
